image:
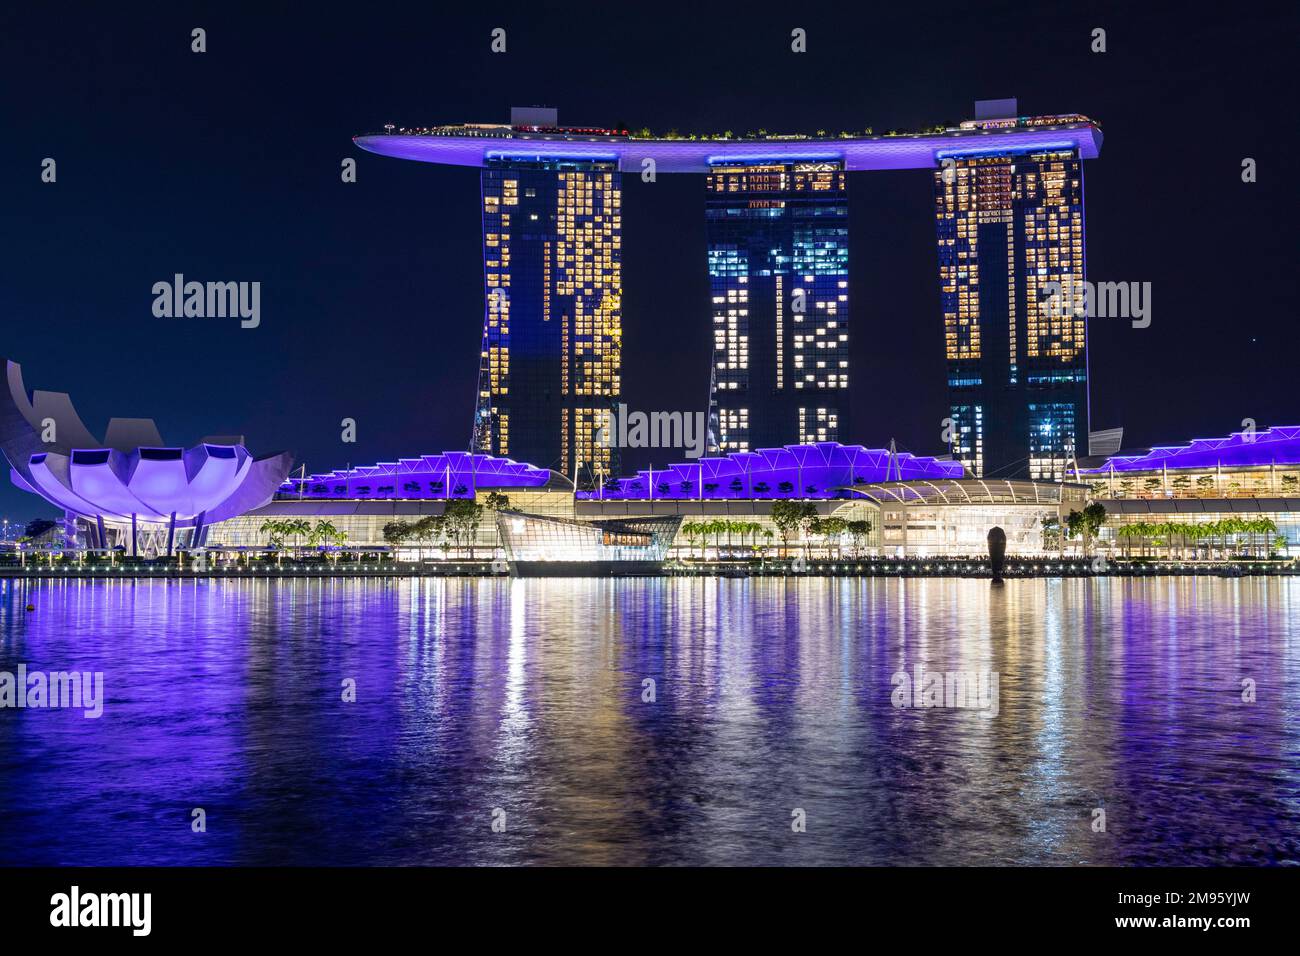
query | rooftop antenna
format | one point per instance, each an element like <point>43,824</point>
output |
<point>893,462</point>
<point>481,437</point>
<point>1071,459</point>
<point>713,428</point>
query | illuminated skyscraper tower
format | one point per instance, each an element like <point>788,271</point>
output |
<point>778,279</point>
<point>1009,195</point>
<point>1009,223</point>
<point>551,356</point>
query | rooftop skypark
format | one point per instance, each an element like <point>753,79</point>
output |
<point>473,144</point>
<point>588,133</point>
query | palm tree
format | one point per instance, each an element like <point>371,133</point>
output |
<point>1262,527</point>
<point>694,531</point>
<point>323,534</point>
<point>1125,533</point>
<point>1231,528</point>
<point>297,527</point>
<point>340,536</point>
<point>716,528</point>
<point>274,529</point>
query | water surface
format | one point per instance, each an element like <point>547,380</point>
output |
<point>526,699</point>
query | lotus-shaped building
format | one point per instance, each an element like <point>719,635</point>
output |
<point>130,488</point>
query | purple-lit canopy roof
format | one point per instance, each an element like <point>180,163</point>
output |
<point>822,470</point>
<point>1278,445</point>
<point>52,454</point>
<point>910,151</point>
<point>453,474</point>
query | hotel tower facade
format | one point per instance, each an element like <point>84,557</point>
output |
<point>1009,223</point>
<point>551,358</point>
<point>778,247</point>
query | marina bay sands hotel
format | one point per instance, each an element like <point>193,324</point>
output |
<point>1008,193</point>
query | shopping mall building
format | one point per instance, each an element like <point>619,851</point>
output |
<point>1206,497</point>
<point>916,506</point>
<point>715,506</point>
<point>129,491</point>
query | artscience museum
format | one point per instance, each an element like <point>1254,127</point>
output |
<point>129,489</point>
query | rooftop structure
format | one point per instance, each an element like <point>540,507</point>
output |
<point>452,474</point>
<point>477,144</point>
<point>1279,445</point>
<point>821,470</point>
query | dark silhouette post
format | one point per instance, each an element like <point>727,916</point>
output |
<point>997,552</point>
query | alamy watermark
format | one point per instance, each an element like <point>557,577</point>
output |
<point>1101,300</point>
<point>209,300</point>
<point>967,690</point>
<point>74,908</point>
<point>56,690</point>
<point>654,430</point>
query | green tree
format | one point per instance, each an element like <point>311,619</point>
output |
<point>859,529</point>
<point>807,522</point>
<point>1094,516</point>
<point>786,515</point>
<point>1086,523</point>
<point>463,518</point>
<point>429,530</point>
<point>396,532</point>
<point>832,529</point>
<point>1051,529</point>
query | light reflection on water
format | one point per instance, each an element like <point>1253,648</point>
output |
<point>771,695</point>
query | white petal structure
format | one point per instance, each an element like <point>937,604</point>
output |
<point>131,474</point>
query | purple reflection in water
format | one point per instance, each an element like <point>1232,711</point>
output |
<point>770,695</point>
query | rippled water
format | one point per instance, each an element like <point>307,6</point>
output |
<point>771,696</point>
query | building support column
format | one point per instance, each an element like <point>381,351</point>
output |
<point>904,511</point>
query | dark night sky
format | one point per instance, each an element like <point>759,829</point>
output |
<point>225,166</point>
